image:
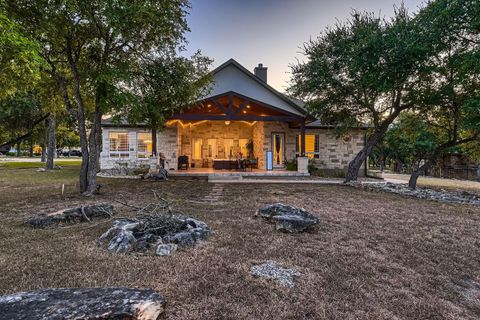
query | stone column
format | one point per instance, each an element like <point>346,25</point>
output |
<point>302,164</point>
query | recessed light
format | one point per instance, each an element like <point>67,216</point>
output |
<point>248,106</point>
<point>244,111</point>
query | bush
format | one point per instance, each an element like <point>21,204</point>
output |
<point>291,165</point>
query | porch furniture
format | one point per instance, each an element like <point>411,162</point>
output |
<point>183,162</point>
<point>206,163</point>
<point>225,164</point>
<point>251,163</point>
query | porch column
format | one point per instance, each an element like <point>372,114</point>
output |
<point>302,139</point>
<point>154,143</point>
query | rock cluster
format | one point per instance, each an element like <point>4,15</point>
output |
<point>73,215</point>
<point>84,303</point>
<point>158,234</point>
<point>288,218</point>
<point>271,270</point>
<point>423,193</point>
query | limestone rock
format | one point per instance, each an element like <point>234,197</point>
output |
<point>82,303</point>
<point>157,234</point>
<point>73,215</point>
<point>288,218</point>
<point>166,249</point>
<point>271,270</point>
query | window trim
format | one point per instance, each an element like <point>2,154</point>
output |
<point>146,153</point>
<point>115,154</point>
<point>316,154</point>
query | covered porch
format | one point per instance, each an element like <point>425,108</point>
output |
<point>231,128</point>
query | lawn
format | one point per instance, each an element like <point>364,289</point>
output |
<point>372,256</point>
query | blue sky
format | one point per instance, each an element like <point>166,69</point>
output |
<point>270,31</point>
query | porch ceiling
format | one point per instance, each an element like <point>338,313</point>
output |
<point>235,107</point>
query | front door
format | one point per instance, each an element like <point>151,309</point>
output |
<point>278,148</point>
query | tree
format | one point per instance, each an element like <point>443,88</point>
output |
<point>361,71</point>
<point>447,94</point>
<point>95,50</point>
<point>20,62</point>
<point>19,115</point>
<point>168,84</point>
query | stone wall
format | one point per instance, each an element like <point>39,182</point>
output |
<point>336,153</point>
<point>175,140</point>
<point>166,142</point>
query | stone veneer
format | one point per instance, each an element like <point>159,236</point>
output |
<point>175,140</point>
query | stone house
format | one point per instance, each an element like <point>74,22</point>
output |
<point>242,117</point>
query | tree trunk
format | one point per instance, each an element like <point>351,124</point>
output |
<point>355,165</point>
<point>43,145</point>
<point>478,172</point>
<point>412,182</point>
<point>19,144</point>
<point>93,154</point>
<point>82,129</point>
<point>31,147</point>
<point>377,136</point>
<point>51,147</point>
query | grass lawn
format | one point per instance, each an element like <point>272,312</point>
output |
<point>372,256</point>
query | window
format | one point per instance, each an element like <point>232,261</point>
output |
<point>144,145</point>
<point>243,147</point>
<point>212,148</point>
<point>119,145</point>
<point>197,149</point>
<point>228,147</point>
<point>312,142</point>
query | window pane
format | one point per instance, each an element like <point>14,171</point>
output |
<point>196,149</point>
<point>312,143</point>
<point>144,144</point>
<point>118,141</point>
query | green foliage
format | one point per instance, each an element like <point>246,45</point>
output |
<point>167,85</point>
<point>291,165</point>
<point>19,59</point>
<point>18,113</point>
<point>355,69</point>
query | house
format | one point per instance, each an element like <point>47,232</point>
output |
<point>241,111</point>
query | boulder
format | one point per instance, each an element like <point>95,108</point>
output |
<point>73,215</point>
<point>154,233</point>
<point>84,303</point>
<point>288,218</point>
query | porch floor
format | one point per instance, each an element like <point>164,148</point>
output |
<point>210,172</point>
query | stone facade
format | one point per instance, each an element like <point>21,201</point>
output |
<point>176,139</point>
<point>336,153</point>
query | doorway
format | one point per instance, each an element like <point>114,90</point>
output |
<point>278,149</point>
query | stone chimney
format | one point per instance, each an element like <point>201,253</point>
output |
<point>261,72</point>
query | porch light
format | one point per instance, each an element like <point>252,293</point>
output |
<point>244,111</point>
<point>248,106</point>
<point>209,105</point>
<point>227,122</point>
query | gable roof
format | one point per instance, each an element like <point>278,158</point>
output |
<point>232,76</point>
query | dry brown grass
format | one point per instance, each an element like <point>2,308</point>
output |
<point>373,255</point>
<point>439,183</point>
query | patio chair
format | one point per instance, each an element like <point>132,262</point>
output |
<point>251,163</point>
<point>183,163</point>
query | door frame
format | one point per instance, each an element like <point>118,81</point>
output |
<point>282,159</point>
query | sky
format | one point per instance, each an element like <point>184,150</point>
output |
<point>271,32</point>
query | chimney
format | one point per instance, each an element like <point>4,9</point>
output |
<point>261,72</point>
